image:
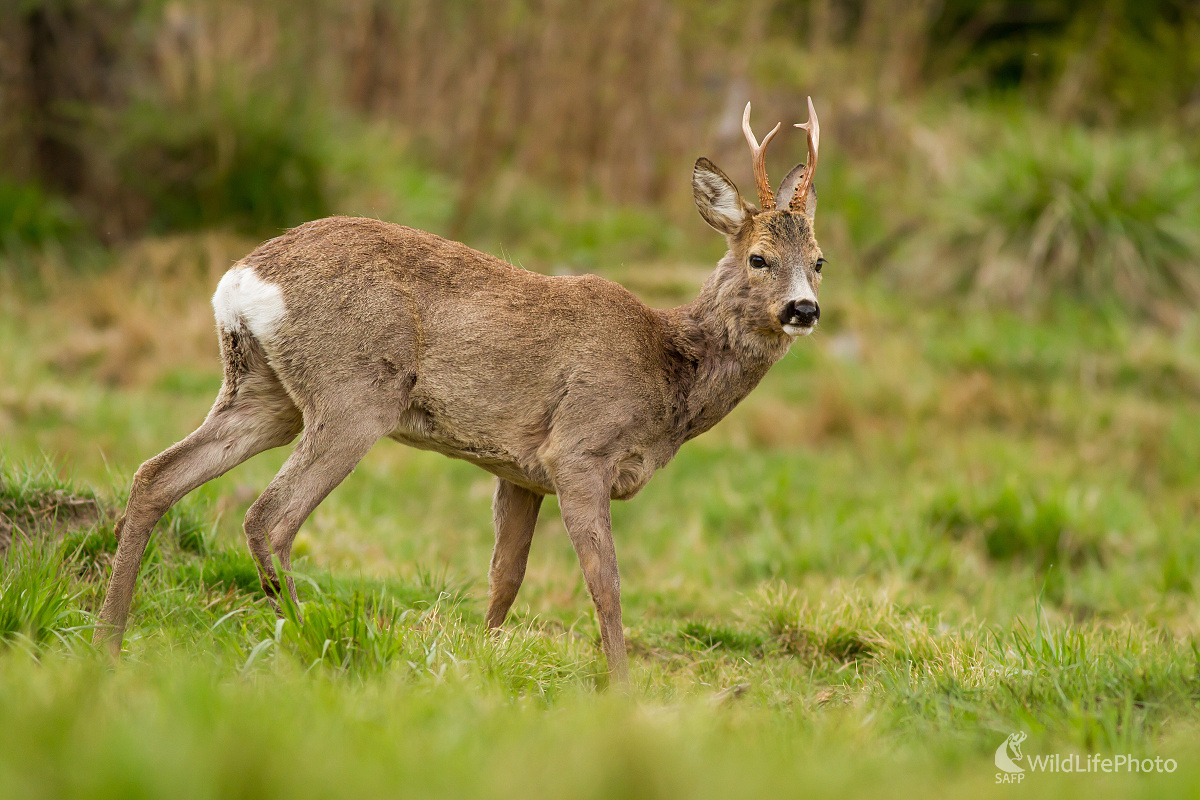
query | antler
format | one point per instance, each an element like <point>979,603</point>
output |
<point>800,198</point>
<point>766,198</point>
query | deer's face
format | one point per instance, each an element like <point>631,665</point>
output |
<point>782,265</point>
<point>776,273</point>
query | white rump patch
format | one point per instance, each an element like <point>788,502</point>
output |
<point>244,300</point>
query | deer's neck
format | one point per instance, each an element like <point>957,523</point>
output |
<point>723,358</point>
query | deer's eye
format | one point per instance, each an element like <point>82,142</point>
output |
<point>820,263</point>
<point>758,262</point>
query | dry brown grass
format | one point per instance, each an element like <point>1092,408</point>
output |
<point>110,325</point>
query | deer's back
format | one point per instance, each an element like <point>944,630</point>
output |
<point>483,360</point>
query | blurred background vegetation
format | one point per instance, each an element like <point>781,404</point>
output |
<point>1009,151</point>
<point>967,506</point>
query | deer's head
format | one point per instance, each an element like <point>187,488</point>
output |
<point>772,272</point>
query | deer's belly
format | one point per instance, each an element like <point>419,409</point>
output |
<point>417,429</point>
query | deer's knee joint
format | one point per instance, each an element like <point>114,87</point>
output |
<point>146,497</point>
<point>144,475</point>
<point>255,520</point>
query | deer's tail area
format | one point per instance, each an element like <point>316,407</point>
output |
<point>252,413</point>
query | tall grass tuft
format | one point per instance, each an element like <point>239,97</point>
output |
<point>38,603</point>
<point>361,633</point>
<point>1105,217</point>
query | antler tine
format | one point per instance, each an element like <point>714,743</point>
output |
<point>800,198</point>
<point>766,198</point>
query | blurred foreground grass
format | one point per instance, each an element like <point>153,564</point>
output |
<point>930,527</point>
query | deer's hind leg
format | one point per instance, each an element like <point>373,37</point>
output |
<point>515,511</point>
<point>252,413</point>
<point>334,441</point>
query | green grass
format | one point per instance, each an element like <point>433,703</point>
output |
<point>1045,210</point>
<point>38,601</point>
<point>927,529</point>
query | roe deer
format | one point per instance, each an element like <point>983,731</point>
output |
<point>345,331</point>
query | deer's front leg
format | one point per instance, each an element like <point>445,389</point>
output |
<point>585,511</point>
<point>514,511</point>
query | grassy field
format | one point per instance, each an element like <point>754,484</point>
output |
<point>932,526</point>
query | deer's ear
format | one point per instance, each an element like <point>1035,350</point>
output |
<point>717,198</point>
<point>788,188</point>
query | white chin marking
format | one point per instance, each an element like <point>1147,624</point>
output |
<point>798,330</point>
<point>245,301</point>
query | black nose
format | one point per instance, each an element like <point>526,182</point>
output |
<point>803,313</point>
